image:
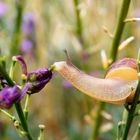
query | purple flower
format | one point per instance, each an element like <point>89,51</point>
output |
<point>11,95</point>
<point>20,59</point>
<point>66,84</point>
<point>26,46</point>
<point>29,42</point>
<point>38,79</point>
<point>8,96</point>
<point>3,9</point>
<point>28,24</point>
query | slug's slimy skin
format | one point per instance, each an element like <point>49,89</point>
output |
<point>125,68</point>
<point>114,90</point>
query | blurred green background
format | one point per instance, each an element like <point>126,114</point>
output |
<point>48,27</point>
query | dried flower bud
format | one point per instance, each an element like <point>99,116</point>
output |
<point>22,62</point>
<point>38,79</point>
<point>8,96</point>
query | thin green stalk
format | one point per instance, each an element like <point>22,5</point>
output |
<point>6,76</point>
<point>79,29</point>
<point>98,121</point>
<point>17,105</point>
<point>131,112</point>
<point>121,125</point>
<point>15,42</point>
<point>11,72</point>
<point>26,108</point>
<point>42,135</point>
<point>8,115</point>
<point>137,133</point>
<point>113,53</point>
<point>120,130</point>
<point>119,29</point>
<point>22,119</point>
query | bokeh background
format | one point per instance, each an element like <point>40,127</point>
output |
<point>48,27</point>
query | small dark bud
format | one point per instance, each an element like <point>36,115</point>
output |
<point>38,79</point>
<point>3,82</point>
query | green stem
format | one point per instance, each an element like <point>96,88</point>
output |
<point>41,136</point>
<point>113,54</point>
<point>121,125</point>
<point>6,76</point>
<point>8,115</point>
<point>22,119</point>
<point>11,72</point>
<point>131,112</point>
<point>26,108</point>
<point>17,105</point>
<point>78,22</point>
<point>119,29</point>
<point>120,130</point>
<point>137,133</point>
<point>15,42</point>
<point>3,61</point>
<point>98,121</point>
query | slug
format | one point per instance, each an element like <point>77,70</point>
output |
<point>118,87</point>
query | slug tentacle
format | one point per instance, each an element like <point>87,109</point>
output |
<point>108,90</point>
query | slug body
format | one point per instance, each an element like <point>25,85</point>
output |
<point>112,90</point>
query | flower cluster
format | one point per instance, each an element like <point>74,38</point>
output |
<point>36,81</point>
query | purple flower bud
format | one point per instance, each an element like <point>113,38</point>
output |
<point>11,95</point>
<point>3,9</point>
<point>29,24</point>
<point>22,62</point>
<point>8,96</point>
<point>26,46</point>
<point>38,79</point>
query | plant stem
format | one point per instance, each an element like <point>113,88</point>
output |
<point>11,72</point>
<point>22,119</point>
<point>78,22</point>
<point>17,105</point>
<point>98,121</point>
<point>8,115</point>
<point>6,76</point>
<point>113,55</point>
<point>137,133</point>
<point>120,129</point>
<point>119,29</point>
<point>131,112</point>
<point>41,136</point>
<point>26,108</point>
<point>15,42</point>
